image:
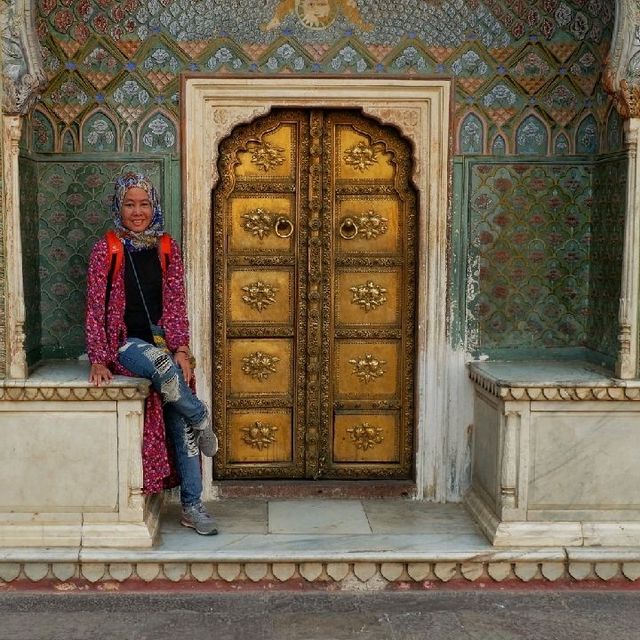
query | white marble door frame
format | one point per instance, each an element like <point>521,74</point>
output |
<point>420,109</point>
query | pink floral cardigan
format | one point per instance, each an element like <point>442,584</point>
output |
<point>104,338</point>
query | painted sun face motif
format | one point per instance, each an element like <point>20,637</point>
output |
<point>316,14</point>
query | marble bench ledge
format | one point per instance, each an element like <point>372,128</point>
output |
<point>75,475</point>
<point>547,380</point>
<point>69,380</point>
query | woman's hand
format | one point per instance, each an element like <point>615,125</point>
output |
<point>99,374</point>
<point>182,358</point>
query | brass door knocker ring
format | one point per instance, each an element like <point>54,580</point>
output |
<point>348,229</point>
<point>283,227</point>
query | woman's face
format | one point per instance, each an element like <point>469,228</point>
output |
<point>136,210</point>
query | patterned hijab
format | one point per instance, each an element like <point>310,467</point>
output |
<point>133,240</point>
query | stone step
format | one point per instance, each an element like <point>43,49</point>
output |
<point>319,544</point>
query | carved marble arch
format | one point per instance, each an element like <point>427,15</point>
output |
<point>619,76</point>
<point>21,50</point>
<point>407,120</point>
<point>420,109</point>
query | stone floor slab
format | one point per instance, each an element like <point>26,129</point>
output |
<point>327,517</point>
<point>413,517</point>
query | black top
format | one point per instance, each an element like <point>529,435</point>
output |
<point>149,272</point>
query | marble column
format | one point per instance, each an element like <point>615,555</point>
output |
<point>629,332</point>
<point>621,78</point>
<point>15,360</point>
<point>22,78</point>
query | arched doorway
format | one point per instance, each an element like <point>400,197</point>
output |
<point>420,109</point>
<point>314,267</point>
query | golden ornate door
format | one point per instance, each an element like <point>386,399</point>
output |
<point>314,304</point>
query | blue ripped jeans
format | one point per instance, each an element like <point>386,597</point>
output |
<point>182,408</point>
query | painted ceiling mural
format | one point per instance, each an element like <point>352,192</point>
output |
<point>527,85</point>
<point>526,71</point>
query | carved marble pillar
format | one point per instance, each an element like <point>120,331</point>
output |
<point>629,330</point>
<point>622,79</point>
<point>16,363</point>
<point>509,461</point>
<point>22,77</point>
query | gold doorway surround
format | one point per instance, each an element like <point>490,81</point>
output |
<point>420,109</point>
<point>314,250</point>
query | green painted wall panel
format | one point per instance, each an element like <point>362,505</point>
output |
<point>74,200</point>
<point>30,257</point>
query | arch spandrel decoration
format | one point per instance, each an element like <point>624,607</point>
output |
<point>407,119</point>
<point>23,75</point>
<point>621,76</point>
<point>223,121</point>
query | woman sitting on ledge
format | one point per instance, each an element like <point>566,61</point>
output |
<point>136,325</point>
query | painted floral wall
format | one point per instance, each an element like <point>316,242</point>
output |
<point>607,240</point>
<point>531,127</point>
<point>530,238</point>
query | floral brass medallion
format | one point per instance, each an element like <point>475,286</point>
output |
<point>368,367</point>
<point>371,225</point>
<point>259,435</point>
<point>365,436</point>
<point>267,156</point>
<point>361,157</point>
<point>259,295</point>
<point>369,296</point>
<point>259,365</point>
<point>258,222</point>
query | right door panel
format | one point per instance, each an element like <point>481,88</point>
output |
<point>369,256</point>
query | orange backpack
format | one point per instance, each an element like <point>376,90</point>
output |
<point>115,252</point>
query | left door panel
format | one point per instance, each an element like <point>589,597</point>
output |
<point>259,316</point>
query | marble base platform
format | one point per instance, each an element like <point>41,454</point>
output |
<point>72,474</point>
<point>555,455</point>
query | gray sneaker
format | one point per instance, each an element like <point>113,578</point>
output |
<point>207,442</point>
<point>196,517</point>
<point>205,437</point>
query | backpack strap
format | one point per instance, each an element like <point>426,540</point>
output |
<point>115,252</point>
<point>115,255</point>
<point>164,250</point>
